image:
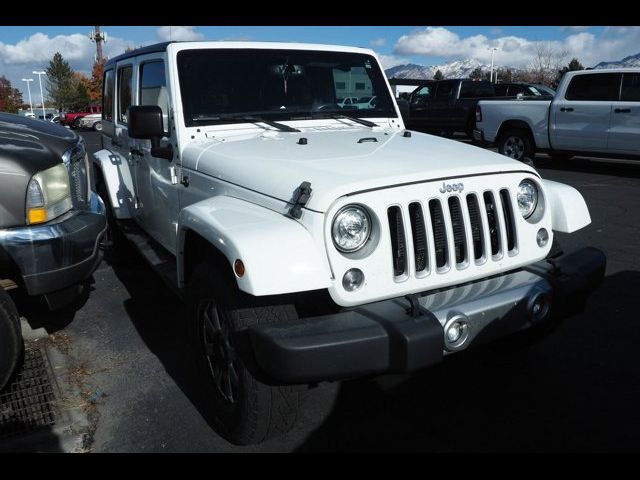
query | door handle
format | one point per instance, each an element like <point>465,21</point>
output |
<point>566,109</point>
<point>622,110</point>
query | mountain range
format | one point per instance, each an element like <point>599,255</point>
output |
<point>463,68</point>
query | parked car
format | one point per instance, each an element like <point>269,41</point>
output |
<point>93,122</point>
<point>367,103</point>
<point>50,222</point>
<point>523,90</point>
<point>314,244</point>
<point>347,101</point>
<point>72,119</point>
<point>445,106</point>
<point>594,112</point>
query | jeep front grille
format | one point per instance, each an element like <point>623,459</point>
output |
<point>463,229</point>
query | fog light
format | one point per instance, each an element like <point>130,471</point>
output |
<point>353,279</point>
<point>542,237</point>
<point>454,332</point>
<point>539,306</point>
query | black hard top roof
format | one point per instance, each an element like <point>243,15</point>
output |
<point>157,47</point>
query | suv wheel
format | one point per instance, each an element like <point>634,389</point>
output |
<point>11,344</point>
<point>244,410</point>
<point>516,144</point>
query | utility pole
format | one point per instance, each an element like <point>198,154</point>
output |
<point>99,37</point>
<point>39,72</point>
<point>29,80</point>
<point>493,52</point>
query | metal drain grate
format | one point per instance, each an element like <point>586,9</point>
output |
<point>28,404</point>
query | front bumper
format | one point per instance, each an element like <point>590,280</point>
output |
<point>58,254</point>
<point>407,333</point>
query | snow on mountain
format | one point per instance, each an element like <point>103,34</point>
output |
<point>632,61</point>
<point>457,69</point>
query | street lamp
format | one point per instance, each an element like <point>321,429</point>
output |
<point>37,72</point>
<point>493,52</point>
<point>29,90</point>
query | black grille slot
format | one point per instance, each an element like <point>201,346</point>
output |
<point>508,219</point>
<point>439,233</point>
<point>492,219</point>
<point>457,225</point>
<point>398,241</point>
<point>476,225</point>
<point>419,233</point>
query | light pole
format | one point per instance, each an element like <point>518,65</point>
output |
<point>493,52</point>
<point>28,80</point>
<point>38,72</point>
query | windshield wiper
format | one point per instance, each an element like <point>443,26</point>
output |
<point>245,118</point>
<point>361,121</point>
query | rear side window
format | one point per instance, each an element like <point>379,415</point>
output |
<point>631,87</point>
<point>107,95</point>
<point>445,89</point>
<point>594,87</point>
<point>476,90</point>
<point>501,90</point>
<point>125,76</point>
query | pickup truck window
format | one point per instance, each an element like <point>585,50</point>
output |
<point>125,75</point>
<point>445,89</point>
<point>631,87</point>
<point>594,87</point>
<point>277,84</point>
<point>107,95</point>
<point>476,90</point>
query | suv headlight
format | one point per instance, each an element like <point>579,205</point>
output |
<point>48,195</point>
<point>527,197</point>
<point>351,228</point>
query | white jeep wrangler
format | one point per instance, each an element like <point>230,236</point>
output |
<point>316,243</point>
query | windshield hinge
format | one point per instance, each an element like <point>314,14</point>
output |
<point>299,201</point>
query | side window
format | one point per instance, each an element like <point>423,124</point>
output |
<point>631,87</point>
<point>445,90</point>
<point>125,77</point>
<point>473,89</point>
<point>501,90</point>
<point>153,88</point>
<point>107,95</point>
<point>594,87</point>
<point>422,95</point>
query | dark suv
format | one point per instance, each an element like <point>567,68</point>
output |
<point>50,221</point>
<point>445,106</point>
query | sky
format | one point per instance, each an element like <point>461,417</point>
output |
<point>25,49</point>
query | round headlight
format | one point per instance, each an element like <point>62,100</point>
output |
<point>527,197</point>
<point>351,228</point>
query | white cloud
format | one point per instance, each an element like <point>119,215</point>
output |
<point>516,51</point>
<point>389,61</point>
<point>378,42</point>
<point>182,33</point>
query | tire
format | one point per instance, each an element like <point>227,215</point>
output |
<point>517,144</point>
<point>244,410</point>
<point>11,343</point>
<point>118,250</point>
<point>97,126</point>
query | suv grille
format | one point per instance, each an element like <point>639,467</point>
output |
<point>462,229</point>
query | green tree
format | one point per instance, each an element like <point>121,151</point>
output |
<point>61,85</point>
<point>476,74</point>
<point>10,98</point>
<point>438,75</point>
<point>573,65</point>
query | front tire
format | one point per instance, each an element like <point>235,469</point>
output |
<point>11,344</point>
<point>244,409</point>
<point>516,144</point>
<point>97,126</point>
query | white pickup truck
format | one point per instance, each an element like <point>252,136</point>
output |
<point>594,112</point>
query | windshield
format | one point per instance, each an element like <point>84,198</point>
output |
<point>277,84</point>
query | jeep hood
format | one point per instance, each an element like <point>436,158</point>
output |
<point>339,162</point>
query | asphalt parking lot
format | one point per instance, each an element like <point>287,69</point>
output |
<point>577,390</point>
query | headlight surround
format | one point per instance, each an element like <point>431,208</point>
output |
<point>527,197</point>
<point>48,195</point>
<point>351,228</point>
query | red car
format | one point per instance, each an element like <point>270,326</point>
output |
<point>72,119</point>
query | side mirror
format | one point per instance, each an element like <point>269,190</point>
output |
<point>403,105</point>
<point>145,122</point>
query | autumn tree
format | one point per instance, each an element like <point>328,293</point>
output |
<point>10,98</point>
<point>95,83</point>
<point>438,75</point>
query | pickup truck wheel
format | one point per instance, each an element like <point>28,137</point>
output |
<point>97,126</point>
<point>516,144</point>
<point>11,344</point>
<point>244,410</point>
